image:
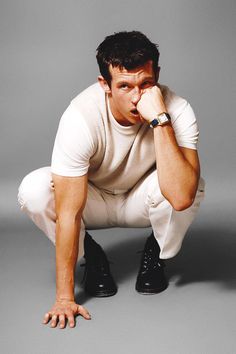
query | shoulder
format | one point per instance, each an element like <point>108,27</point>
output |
<point>94,95</point>
<point>85,112</point>
<point>90,106</point>
<point>182,118</point>
<point>175,104</point>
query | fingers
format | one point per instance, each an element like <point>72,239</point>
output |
<point>71,320</point>
<point>82,311</point>
<point>59,315</point>
<point>62,321</point>
<point>54,321</point>
<point>46,318</point>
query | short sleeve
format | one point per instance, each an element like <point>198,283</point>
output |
<point>73,146</point>
<point>186,128</point>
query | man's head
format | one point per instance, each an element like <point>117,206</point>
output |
<point>128,63</point>
<point>127,50</point>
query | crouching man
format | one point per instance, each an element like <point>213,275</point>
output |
<point>125,155</point>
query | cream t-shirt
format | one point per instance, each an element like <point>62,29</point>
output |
<point>90,140</point>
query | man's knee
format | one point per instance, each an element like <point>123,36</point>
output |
<point>34,191</point>
<point>155,196</point>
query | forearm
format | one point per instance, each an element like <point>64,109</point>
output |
<point>67,241</point>
<point>178,179</point>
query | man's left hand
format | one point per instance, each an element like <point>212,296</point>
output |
<point>151,103</point>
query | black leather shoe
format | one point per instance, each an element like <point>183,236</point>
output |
<point>98,280</point>
<point>151,278</point>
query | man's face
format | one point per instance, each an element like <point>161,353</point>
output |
<point>126,89</point>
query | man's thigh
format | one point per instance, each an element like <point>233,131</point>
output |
<point>36,197</point>
<point>96,211</point>
<point>136,205</point>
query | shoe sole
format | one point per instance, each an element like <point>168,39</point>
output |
<point>101,294</point>
<point>151,291</point>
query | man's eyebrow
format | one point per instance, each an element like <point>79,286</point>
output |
<point>123,82</point>
<point>147,78</point>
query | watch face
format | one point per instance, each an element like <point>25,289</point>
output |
<point>163,118</point>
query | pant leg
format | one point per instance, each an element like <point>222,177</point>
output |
<point>36,198</point>
<point>145,206</point>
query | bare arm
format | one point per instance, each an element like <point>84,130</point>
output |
<point>70,199</point>
<point>178,168</point>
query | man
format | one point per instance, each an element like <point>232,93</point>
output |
<point>124,155</point>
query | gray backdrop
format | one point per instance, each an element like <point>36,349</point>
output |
<point>48,57</point>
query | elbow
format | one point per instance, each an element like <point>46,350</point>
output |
<point>180,205</point>
<point>180,199</point>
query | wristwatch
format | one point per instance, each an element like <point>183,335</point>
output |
<point>161,119</point>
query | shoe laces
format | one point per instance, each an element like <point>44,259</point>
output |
<point>98,268</point>
<point>150,260</point>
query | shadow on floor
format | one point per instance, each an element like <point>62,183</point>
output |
<point>207,255</point>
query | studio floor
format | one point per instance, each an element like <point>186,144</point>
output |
<point>195,315</point>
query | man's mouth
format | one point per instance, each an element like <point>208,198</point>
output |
<point>134,112</point>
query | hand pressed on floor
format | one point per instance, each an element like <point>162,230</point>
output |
<point>63,311</point>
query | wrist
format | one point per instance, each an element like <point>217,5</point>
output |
<point>155,113</point>
<point>65,298</point>
<point>65,292</point>
<point>160,120</point>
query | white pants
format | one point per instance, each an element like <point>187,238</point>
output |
<point>143,206</point>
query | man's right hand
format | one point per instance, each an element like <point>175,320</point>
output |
<point>64,312</point>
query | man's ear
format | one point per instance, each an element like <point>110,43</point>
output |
<point>104,84</point>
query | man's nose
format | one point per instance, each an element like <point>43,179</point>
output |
<point>136,96</point>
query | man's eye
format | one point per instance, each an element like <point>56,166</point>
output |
<point>124,86</point>
<point>147,84</point>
